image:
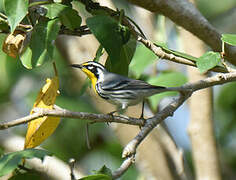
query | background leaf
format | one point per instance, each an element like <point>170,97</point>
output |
<point>142,58</point>
<point>68,16</point>
<point>10,161</point>
<point>15,10</point>
<point>207,61</point>
<point>229,38</point>
<point>41,46</point>
<point>105,170</point>
<point>170,79</point>
<point>97,177</point>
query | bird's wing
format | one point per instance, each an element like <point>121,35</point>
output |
<point>117,82</point>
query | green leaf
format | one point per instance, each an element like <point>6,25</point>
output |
<point>229,38</point>
<point>105,170</point>
<point>70,19</point>
<point>54,10</point>
<point>170,79</point>
<point>2,6</point>
<point>126,55</point>
<point>125,33</point>
<point>99,53</point>
<point>142,58</point>
<point>10,161</point>
<point>41,45</point>
<point>97,177</point>
<point>106,30</point>
<point>208,61</point>
<point>68,16</point>
<point>15,10</point>
<point>4,26</point>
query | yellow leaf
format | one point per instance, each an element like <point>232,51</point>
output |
<point>13,44</point>
<point>41,128</point>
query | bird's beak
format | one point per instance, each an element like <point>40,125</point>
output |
<point>76,66</point>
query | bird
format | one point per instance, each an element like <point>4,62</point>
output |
<point>117,89</point>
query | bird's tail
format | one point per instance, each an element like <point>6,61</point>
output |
<point>160,89</point>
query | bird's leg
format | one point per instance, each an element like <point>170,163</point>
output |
<point>142,114</point>
<point>112,112</point>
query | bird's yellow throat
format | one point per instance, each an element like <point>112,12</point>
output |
<point>91,76</point>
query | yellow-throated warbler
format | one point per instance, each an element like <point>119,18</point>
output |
<point>117,89</point>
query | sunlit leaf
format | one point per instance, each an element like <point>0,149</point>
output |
<point>142,58</point>
<point>15,10</point>
<point>10,161</point>
<point>208,61</point>
<point>41,128</point>
<point>229,38</point>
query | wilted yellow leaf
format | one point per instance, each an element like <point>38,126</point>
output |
<point>13,43</point>
<point>41,128</point>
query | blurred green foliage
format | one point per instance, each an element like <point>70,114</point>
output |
<point>10,161</point>
<point>212,8</point>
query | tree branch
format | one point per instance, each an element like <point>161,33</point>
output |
<point>123,168</point>
<point>183,13</point>
<point>40,112</point>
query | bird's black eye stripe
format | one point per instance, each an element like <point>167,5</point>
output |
<point>92,69</point>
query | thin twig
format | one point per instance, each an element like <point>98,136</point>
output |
<point>72,166</point>
<point>181,60</point>
<point>123,168</point>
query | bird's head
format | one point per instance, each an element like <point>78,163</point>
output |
<point>95,71</point>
